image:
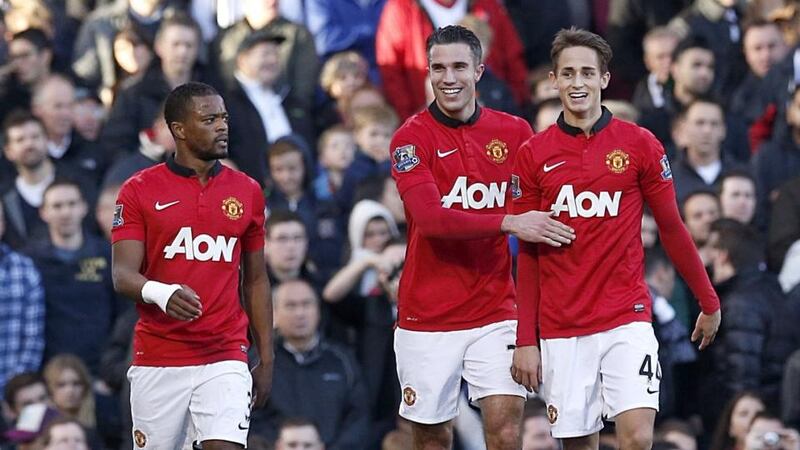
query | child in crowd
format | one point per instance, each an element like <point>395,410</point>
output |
<point>288,177</point>
<point>336,149</point>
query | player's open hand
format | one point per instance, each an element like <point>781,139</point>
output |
<point>539,227</point>
<point>706,327</point>
<point>184,304</point>
<point>526,368</point>
<point>262,383</point>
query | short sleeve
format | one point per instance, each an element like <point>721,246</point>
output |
<point>253,238</point>
<point>656,174</point>
<point>410,161</point>
<point>525,189</point>
<point>128,222</point>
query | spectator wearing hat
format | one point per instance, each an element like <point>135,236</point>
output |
<point>260,108</point>
<point>297,58</point>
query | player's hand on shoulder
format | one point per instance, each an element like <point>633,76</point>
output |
<point>262,383</point>
<point>526,368</point>
<point>706,327</point>
<point>184,304</point>
<point>538,227</point>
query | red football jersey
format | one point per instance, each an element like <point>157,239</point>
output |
<point>455,284</point>
<point>193,235</point>
<point>598,185</point>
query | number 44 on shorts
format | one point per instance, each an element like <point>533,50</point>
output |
<point>646,370</point>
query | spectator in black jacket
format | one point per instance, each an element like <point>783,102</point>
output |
<point>658,45</point>
<point>313,378</point>
<point>30,54</point>
<point>757,335</point>
<point>784,234</point>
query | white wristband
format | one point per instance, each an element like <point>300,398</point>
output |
<point>158,293</point>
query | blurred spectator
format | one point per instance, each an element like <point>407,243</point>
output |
<point>88,114</point>
<point>403,60</point>
<point>93,57</point>
<point>778,160</point>
<point>547,113</point>
<point>295,434</point>
<point>757,336</point>
<point>105,209</point>
<point>26,148</point>
<point>342,75</point>
<point>622,110</point>
<point>32,421</point>
<point>735,419</point>
<point>289,182</point>
<point>155,144</point>
<point>784,235</point>
<point>699,209</point>
<point>114,364</point>
<point>132,56</point>
<point>790,390</point>
<point>286,249</point>
<point>64,434</point>
<point>336,150</point>
<point>76,271</point>
<point>70,388</point>
<point>340,25</point>
<point>30,55</point>
<point>363,97</point>
<point>372,128</point>
<point>737,196</point>
<point>649,230</point>
<point>658,45</point>
<point>678,433</point>
<point>536,428</point>
<point>53,103</point>
<point>299,65</point>
<point>717,21</point>
<point>701,164</point>
<point>311,372</point>
<point>628,23</point>
<point>767,432</point>
<point>137,104</point>
<point>536,22</point>
<point>21,313</point>
<point>763,48</point>
<point>23,389</point>
<point>492,92</point>
<point>261,110</point>
<point>541,88</point>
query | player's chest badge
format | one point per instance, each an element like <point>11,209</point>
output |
<point>232,208</point>
<point>617,161</point>
<point>497,151</point>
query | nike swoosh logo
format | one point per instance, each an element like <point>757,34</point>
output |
<point>242,428</point>
<point>442,154</point>
<point>649,391</point>
<point>549,168</point>
<point>160,207</point>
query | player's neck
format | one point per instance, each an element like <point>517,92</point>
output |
<point>462,115</point>
<point>583,121</point>
<point>72,242</point>
<point>201,167</point>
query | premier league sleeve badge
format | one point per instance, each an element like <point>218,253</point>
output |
<point>405,158</point>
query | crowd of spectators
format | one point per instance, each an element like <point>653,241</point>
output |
<point>315,90</point>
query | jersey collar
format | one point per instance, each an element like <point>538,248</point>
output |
<point>602,122</point>
<point>180,170</point>
<point>442,118</point>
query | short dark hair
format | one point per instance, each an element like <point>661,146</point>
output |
<point>694,194</point>
<point>179,101</point>
<point>61,182</point>
<point>45,434</point>
<point>283,216</point>
<point>38,38</point>
<point>765,415</point>
<point>689,43</point>
<point>259,37</point>
<point>284,146</point>
<point>17,118</point>
<point>703,99</point>
<point>19,382</point>
<point>757,22</point>
<point>741,241</point>
<point>576,37</point>
<point>175,18</point>
<point>455,34</point>
<point>735,173</point>
<point>297,422</point>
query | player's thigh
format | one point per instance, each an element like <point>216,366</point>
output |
<point>502,415</point>
<point>220,405</point>
<point>488,360</point>
<point>429,368</point>
<point>160,398</point>
<point>630,369</point>
<point>571,385</point>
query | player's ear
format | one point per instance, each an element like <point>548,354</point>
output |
<point>177,129</point>
<point>553,82</point>
<point>479,72</point>
<point>605,79</point>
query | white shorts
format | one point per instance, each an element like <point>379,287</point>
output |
<point>430,366</point>
<point>175,406</point>
<point>588,378</point>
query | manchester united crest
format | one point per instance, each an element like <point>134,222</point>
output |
<point>409,396</point>
<point>617,161</point>
<point>552,414</point>
<point>232,208</point>
<point>139,438</point>
<point>497,150</point>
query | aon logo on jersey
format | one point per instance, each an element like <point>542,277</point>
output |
<point>586,204</point>
<point>475,195</point>
<point>202,247</point>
